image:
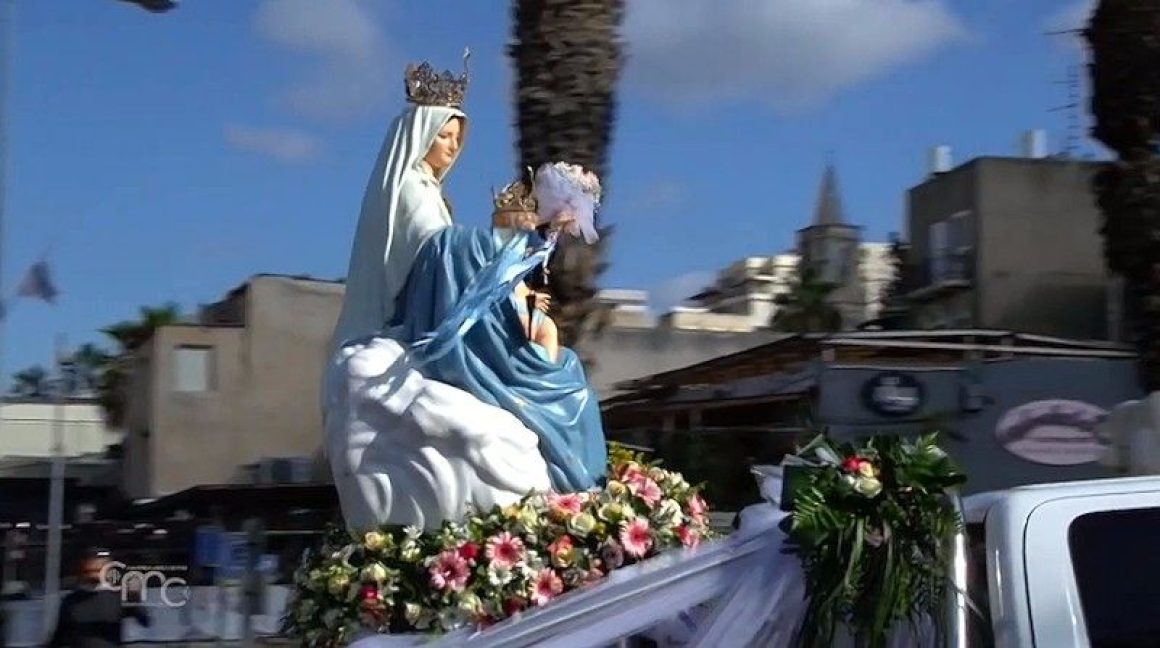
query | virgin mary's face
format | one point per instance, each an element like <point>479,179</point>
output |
<point>446,146</point>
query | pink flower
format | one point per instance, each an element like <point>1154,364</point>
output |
<point>647,490</point>
<point>546,587</point>
<point>450,572</point>
<point>688,537</point>
<point>636,538</point>
<point>631,472</point>
<point>697,508</point>
<point>565,506</point>
<point>504,550</point>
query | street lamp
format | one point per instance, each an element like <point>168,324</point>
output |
<point>156,6</point>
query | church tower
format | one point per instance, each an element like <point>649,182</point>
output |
<point>830,245</point>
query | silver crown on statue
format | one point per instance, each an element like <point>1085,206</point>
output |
<point>426,87</point>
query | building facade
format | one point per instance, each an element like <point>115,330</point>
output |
<point>233,397</point>
<point>1012,408</point>
<point>210,399</point>
<point>1010,243</point>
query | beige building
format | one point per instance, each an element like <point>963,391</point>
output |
<point>27,427</point>
<point>744,295</point>
<point>212,400</point>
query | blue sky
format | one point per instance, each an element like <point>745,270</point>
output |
<point>170,157</point>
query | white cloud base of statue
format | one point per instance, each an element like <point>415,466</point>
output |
<point>405,450</point>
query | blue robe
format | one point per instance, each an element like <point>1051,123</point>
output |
<point>497,363</point>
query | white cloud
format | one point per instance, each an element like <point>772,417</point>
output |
<point>349,54</point>
<point>677,290</point>
<point>789,54</point>
<point>282,144</point>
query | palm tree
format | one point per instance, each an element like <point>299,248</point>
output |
<point>129,336</point>
<point>568,58</point>
<point>33,382</point>
<point>1124,39</point>
<point>806,307</point>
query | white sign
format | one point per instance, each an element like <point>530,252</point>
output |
<point>1053,432</point>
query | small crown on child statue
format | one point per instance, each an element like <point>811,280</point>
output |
<point>515,206</point>
<point>426,87</point>
<point>515,197</point>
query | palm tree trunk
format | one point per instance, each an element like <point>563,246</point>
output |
<point>1124,36</point>
<point>568,58</point>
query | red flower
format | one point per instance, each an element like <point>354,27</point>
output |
<point>469,551</point>
<point>851,464</point>
<point>372,606</point>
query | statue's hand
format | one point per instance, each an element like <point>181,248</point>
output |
<point>563,220</point>
<point>543,302</point>
<point>526,221</point>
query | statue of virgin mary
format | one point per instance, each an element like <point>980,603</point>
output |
<point>414,437</point>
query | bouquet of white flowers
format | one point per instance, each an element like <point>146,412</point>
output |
<point>568,190</point>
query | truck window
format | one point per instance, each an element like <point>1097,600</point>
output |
<point>1117,570</point>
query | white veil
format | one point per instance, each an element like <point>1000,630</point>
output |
<point>378,266</point>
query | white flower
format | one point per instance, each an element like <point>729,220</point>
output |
<point>375,540</point>
<point>499,575</point>
<point>470,604</point>
<point>412,612</point>
<point>413,532</point>
<point>410,551</point>
<point>374,573</point>
<point>669,513</point>
<point>868,486</point>
<point>584,524</point>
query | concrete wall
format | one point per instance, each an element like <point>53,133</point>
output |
<point>264,401</point>
<point>1033,231</point>
<point>1040,253</point>
<point>289,324</point>
<point>178,439</point>
<point>1004,385</point>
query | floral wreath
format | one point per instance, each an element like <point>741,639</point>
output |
<point>495,563</point>
<point>872,526</point>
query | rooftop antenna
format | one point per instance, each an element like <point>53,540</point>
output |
<point>1073,106</point>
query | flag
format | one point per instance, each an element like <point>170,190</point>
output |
<point>37,283</point>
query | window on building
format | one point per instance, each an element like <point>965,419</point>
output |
<point>1116,565</point>
<point>193,368</point>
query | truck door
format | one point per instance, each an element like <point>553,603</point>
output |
<point>1093,571</point>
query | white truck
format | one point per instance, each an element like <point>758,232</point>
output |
<point>1062,565</point>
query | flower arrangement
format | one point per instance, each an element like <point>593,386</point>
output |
<point>872,526</point>
<point>495,563</point>
<point>560,187</point>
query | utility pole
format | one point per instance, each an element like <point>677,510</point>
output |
<point>55,495</point>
